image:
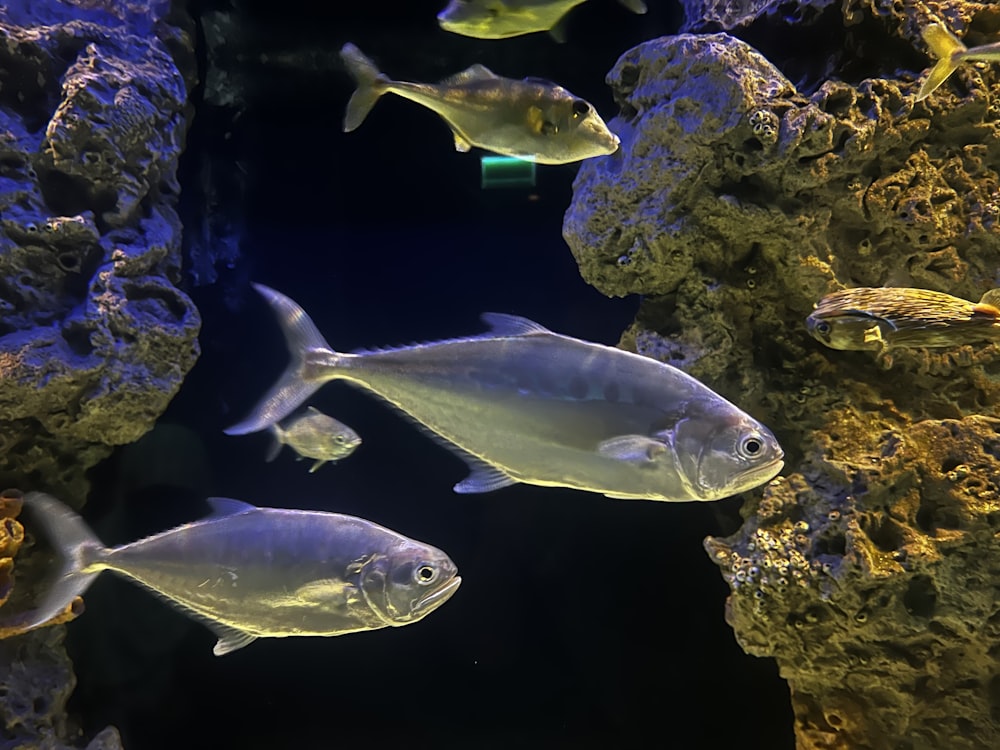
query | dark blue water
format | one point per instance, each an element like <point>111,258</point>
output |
<point>582,622</point>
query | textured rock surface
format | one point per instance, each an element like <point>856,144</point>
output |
<point>95,337</point>
<point>736,202</point>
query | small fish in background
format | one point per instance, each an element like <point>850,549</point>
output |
<point>314,435</point>
<point>524,404</point>
<point>502,19</point>
<point>249,572</point>
<point>879,318</point>
<point>951,53</point>
<point>532,119</point>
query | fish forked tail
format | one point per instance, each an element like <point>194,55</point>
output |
<point>947,48</point>
<point>293,387</point>
<point>81,553</point>
<point>371,85</point>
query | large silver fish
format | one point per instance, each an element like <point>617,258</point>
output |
<point>249,572</point>
<point>502,19</point>
<point>315,435</point>
<point>532,119</point>
<point>524,404</point>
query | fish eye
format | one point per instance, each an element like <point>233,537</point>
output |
<point>425,574</point>
<point>823,327</point>
<point>339,439</point>
<point>580,108</point>
<point>751,446</point>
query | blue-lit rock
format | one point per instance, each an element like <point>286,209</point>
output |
<point>95,335</point>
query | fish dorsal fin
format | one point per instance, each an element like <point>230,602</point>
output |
<point>482,477</point>
<point>475,72</point>
<point>503,324</point>
<point>226,506</point>
<point>230,639</point>
<point>543,81</point>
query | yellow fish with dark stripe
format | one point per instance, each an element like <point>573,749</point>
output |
<point>869,318</point>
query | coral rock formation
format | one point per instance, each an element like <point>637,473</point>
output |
<point>737,201</point>
<point>95,336</point>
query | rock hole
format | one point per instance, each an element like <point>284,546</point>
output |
<point>78,339</point>
<point>833,544</point>
<point>950,464</point>
<point>993,693</point>
<point>40,705</point>
<point>920,598</point>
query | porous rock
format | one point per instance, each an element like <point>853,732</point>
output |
<point>737,200</point>
<point>95,335</point>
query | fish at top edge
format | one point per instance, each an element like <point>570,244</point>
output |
<point>316,435</point>
<point>247,572</point>
<point>531,119</point>
<point>502,19</point>
<point>951,53</point>
<point>878,318</point>
<point>524,404</point>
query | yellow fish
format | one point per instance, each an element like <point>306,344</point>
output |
<point>951,53</point>
<point>502,19</point>
<point>531,119</point>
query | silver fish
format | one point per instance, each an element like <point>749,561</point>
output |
<point>502,19</point>
<point>249,572</point>
<point>532,119</point>
<point>524,404</point>
<point>951,53</point>
<point>315,435</point>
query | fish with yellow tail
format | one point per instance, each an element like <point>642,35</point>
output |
<point>249,572</point>
<point>502,19</point>
<point>951,53</point>
<point>880,318</point>
<point>531,119</point>
<point>524,404</point>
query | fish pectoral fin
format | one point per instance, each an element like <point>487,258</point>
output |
<point>633,449</point>
<point>230,639</point>
<point>323,591</point>
<point>483,478</point>
<point>317,465</point>
<point>873,334</point>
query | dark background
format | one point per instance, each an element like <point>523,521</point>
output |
<point>582,622</point>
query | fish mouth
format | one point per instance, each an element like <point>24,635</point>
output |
<point>434,600</point>
<point>763,473</point>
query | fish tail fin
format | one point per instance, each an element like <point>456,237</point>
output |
<point>947,48</point>
<point>371,85</point>
<point>277,440</point>
<point>636,6</point>
<point>81,552</point>
<point>302,376</point>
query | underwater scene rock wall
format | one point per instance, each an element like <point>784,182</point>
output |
<point>739,199</point>
<point>95,335</point>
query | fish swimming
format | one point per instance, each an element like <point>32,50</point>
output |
<point>532,119</point>
<point>877,318</point>
<point>951,53</point>
<point>249,572</point>
<point>524,404</point>
<point>315,435</point>
<point>502,19</point>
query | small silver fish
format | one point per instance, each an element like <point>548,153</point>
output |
<point>878,318</point>
<point>502,19</point>
<point>951,53</point>
<point>532,119</point>
<point>524,404</point>
<point>315,435</point>
<point>249,572</point>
